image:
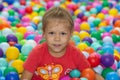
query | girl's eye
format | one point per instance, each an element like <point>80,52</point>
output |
<point>51,33</point>
<point>63,33</point>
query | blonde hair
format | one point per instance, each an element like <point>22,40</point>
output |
<point>59,14</point>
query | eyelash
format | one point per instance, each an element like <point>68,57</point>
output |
<point>62,33</point>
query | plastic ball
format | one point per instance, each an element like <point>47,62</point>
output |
<point>7,31</point>
<point>65,78</point>
<point>1,7</point>
<point>82,46</point>
<point>82,78</point>
<point>90,50</point>
<point>12,76</point>
<point>76,39</point>
<point>12,37</point>
<point>96,22</point>
<point>19,36</point>
<point>88,39</point>
<point>88,73</point>
<point>75,73</point>
<point>76,26</point>
<point>18,64</point>
<point>107,39</point>
<point>114,31</point>
<point>27,34</point>
<point>95,45</point>
<point>98,69</point>
<point>113,12</point>
<point>1,52</point>
<point>28,9</point>
<point>85,26</point>
<point>106,71</point>
<point>25,50</point>
<point>2,78</point>
<point>9,69</point>
<point>94,60</point>
<point>31,42</point>
<point>19,46</point>
<point>3,62</point>
<point>30,37</point>
<point>75,79</point>
<point>12,53</point>
<point>3,39</point>
<point>23,41</point>
<point>93,11</point>
<point>112,76</point>
<point>22,30</point>
<point>38,38</point>
<point>96,35</point>
<point>106,34</point>
<point>107,60</point>
<point>83,34</point>
<point>101,16</point>
<point>9,1</point>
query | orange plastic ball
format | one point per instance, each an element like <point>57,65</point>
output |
<point>117,23</point>
<point>90,50</point>
<point>88,73</point>
<point>115,31</point>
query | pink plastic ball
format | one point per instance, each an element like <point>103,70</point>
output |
<point>27,33</point>
<point>106,34</point>
<point>49,4</point>
<point>104,11</point>
<point>38,38</point>
<point>22,11</point>
<point>77,27</point>
<point>65,78</point>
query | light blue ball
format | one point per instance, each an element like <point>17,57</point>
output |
<point>3,62</point>
<point>75,73</point>
<point>82,78</point>
<point>112,76</point>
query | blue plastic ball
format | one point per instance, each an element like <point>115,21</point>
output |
<point>75,73</point>
<point>12,76</point>
<point>112,76</point>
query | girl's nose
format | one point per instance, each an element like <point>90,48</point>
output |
<point>57,37</point>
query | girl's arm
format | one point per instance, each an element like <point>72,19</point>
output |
<point>26,75</point>
<point>98,77</point>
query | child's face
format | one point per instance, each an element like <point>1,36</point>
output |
<point>57,35</point>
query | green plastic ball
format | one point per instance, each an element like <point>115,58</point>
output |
<point>9,69</point>
<point>106,70</point>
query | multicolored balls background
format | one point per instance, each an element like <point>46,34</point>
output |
<point>96,34</point>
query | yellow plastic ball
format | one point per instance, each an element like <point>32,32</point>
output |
<point>113,12</point>
<point>85,26</point>
<point>32,4</point>
<point>34,14</point>
<point>63,6</point>
<point>76,33</point>
<point>101,16</point>
<point>83,34</point>
<point>102,24</point>
<point>12,53</point>
<point>22,30</point>
<point>116,53</point>
<point>76,12</point>
<point>18,64</point>
<point>36,20</point>
<point>82,46</point>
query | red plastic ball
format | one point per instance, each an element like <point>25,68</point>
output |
<point>88,8</point>
<point>94,60</point>
<point>22,2</point>
<point>28,9</point>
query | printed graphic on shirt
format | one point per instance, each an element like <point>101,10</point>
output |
<point>50,72</point>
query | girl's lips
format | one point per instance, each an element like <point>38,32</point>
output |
<point>57,45</point>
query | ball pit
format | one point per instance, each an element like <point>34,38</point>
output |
<point>96,30</point>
